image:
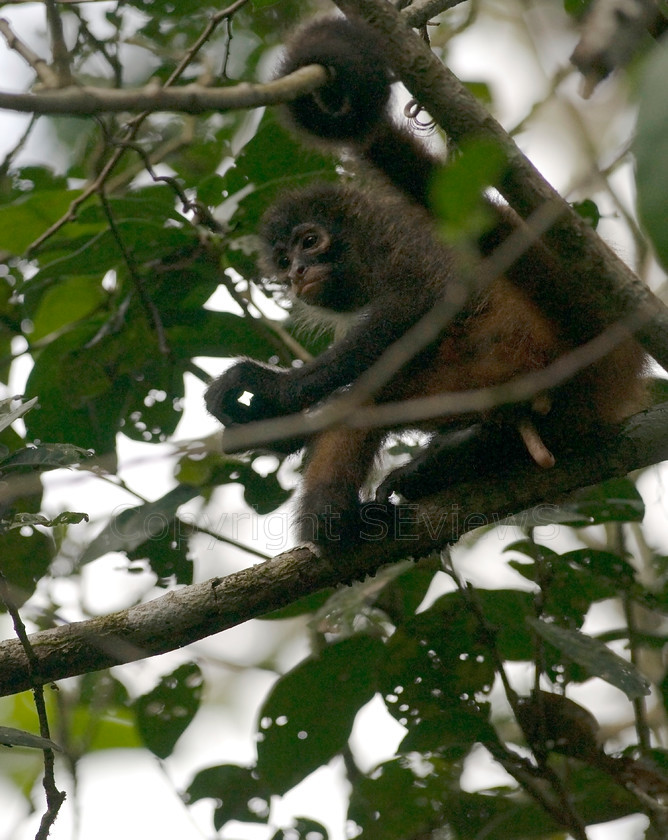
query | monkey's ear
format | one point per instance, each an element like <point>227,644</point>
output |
<point>353,103</point>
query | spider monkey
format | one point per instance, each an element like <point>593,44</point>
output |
<point>368,261</point>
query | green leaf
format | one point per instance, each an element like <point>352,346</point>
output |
<point>302,606</point>
<point>577,8</point>
<point>532,549</point>
<point>26,557</point>
<point>450,734</point>
<point>8,414</point>
<point>165,713</point>
<point>264,493</point>
<point>407,587</point>
<point>22,221</point>
<point>168,554</point>
<point>594,657</point>
<point>604,565</point>
<point>413,797</point>
<point>11,737</point>
<point>45,456</point>
<point>101,718</point>
<point>505,611</point>
<point>241,794</point>
<point>103,376</point>
<point>135,525</point>
<point>651,149</point>
<point>616,500</point>
<point>272,161</point>
<point>481,90</point>
<point>436,662</point>
<point>571,582</point>
<point>588,210</point>
<point>216,334</point>
<point>67,517</point>
<point>70,300</point>
<point>456,191</point>
<point>358,608</point>
<point>302,829</point>
<point>307,717</point>
<point>81,400</point>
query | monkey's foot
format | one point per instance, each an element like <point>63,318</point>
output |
<point>336,528</point>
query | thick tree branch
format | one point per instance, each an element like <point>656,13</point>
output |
<point>602,289</point>
<point>189,99</point>
<point>186,615</point>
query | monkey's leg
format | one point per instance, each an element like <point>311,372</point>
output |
<point>451,457</point>
<point>331,514</point>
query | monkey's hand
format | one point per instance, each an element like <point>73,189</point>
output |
<point>263,390</point>
<point>352,103</point>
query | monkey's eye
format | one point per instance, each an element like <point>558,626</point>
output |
<point>310,240</point>
<point>282,262</point>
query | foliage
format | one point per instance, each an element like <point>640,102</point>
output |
<point>109,258</point>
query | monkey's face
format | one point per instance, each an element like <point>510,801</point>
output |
<point>303,264</point>
<point>316,244</point>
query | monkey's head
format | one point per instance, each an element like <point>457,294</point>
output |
<point>313,243</point>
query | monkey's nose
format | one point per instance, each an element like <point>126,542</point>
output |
<point>297,271</point>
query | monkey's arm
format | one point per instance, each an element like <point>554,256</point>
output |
<point>278,391</point>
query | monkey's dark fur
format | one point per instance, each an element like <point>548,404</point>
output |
<point>371,257</point>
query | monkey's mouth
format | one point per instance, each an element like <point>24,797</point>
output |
<point>308,286</point>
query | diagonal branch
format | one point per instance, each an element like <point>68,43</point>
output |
<point>601,288</point>
<point>194,612</point>
<point>44,73</point>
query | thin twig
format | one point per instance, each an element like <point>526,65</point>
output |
<point>132,128</point>
<point>44,73</point>
<point>59,51</point>
<point>639,705</point>
<point>148,304</point>
<point>54,797</point>
<point>18,147</point>
<point>100,46</point>
<point>188,528</point>
<point>420,12</point>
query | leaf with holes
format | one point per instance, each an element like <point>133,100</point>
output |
<point>166,711</point>
<point>307,718</point>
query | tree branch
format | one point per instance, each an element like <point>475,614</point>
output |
<point>601,288</point>
<point>420,12</point>
<point>189,99</point>
<point>44,73</point>
<point>194,612</point>
<point>59,51</point>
